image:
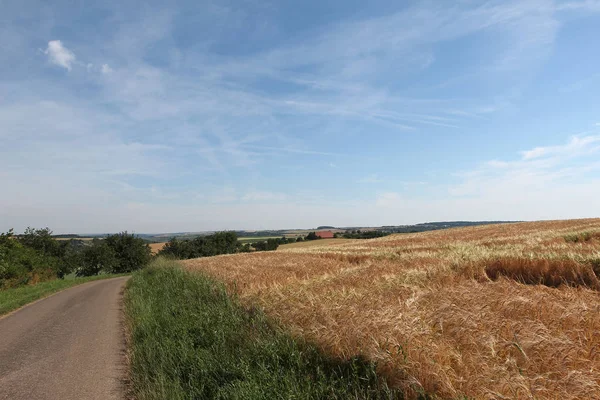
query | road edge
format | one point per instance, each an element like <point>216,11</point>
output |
<point>8,314</point>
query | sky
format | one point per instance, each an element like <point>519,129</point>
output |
<point>213,115</point>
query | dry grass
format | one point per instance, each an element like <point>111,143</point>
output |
<point>489,312</point>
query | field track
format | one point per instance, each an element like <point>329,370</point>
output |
<point>67,346</point>
<point>498,311</point>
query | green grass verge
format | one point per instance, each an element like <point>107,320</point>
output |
<point>12,299</point>
<point>190,340</point>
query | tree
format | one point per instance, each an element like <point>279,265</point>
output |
<point>96,258</point>
<point>131,252</point>
<point>175,248</point>
<point>20,264</point>
<point>202,246</point>
<point>312,236</point>
<point>245,248</point>
<point>41,240</point>
<point>268,245</point>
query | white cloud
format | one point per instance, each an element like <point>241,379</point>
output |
<point>576,146</point>
<point>219,119</point>
<point>542,171</point>
<point>59,54</point>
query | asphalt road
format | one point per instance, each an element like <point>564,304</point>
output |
<point>67,346</point>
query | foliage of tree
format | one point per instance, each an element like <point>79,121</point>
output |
<point>245,248</point>
<point>267,245</point>
<point>357,234</point>
<point>203,246</point>
<point>20,264</point>
<point>37,256</point>
<point>131,252</point>
<point>312,236</point>
<point>41,240</point>
<point>97,258</point>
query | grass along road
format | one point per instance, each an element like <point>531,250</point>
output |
<point>12,299</point>
<point>190,340</point>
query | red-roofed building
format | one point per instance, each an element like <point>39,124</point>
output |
<point>325,234</point>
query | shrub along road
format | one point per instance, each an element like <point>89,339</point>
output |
<point>67,346</point>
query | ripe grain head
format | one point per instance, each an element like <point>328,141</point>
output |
<point>495,311</point>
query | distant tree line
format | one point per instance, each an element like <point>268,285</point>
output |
<point>358,234</point>
<point>215,244</point>
<point>37,256</point>
<point>202,246</point>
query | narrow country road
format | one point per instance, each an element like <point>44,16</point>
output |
<point>68,346</point>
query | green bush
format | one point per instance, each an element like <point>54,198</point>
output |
<point>37,256</point>
<point>21,265</point>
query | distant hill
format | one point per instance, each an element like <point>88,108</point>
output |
<point>387,229</point>
<point>432,226</point>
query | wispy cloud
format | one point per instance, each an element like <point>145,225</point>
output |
<point>576,146</point>
<point>59,55</point>
<point>587,5</point>
<point>157,111</point>
<point>292,150</point>
<point>544,169</point>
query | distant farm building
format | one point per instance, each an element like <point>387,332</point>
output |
<point>325,234</point>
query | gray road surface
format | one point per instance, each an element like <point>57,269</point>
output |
<point>68,346</point>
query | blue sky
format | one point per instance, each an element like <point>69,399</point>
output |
<point>200,115</point>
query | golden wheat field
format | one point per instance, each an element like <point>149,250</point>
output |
<point>156,247</point>
<point>492,312</point>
